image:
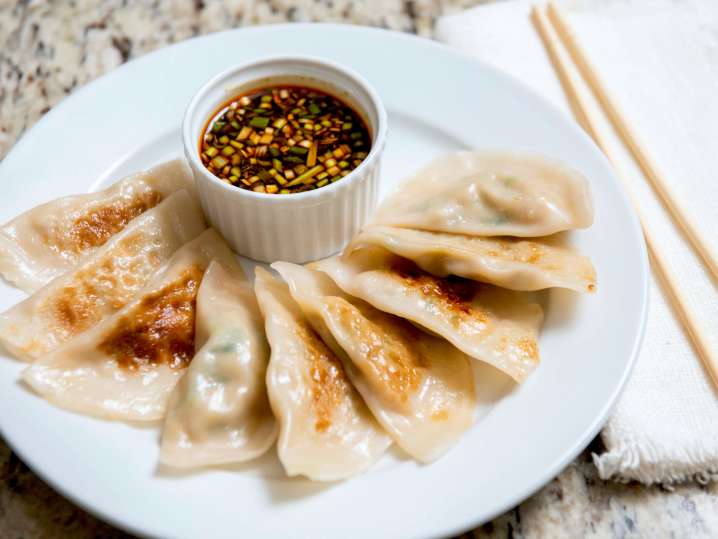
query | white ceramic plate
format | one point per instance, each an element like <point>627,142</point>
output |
<point>438,100</point>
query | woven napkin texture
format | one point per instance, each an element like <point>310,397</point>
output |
<point>660,60</point>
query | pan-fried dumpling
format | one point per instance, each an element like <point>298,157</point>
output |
<point>126,366</point>
<point>103,282</point>
<point>483,193</point>
<point>515,263</point>
<point>326,432</point>
<point>491,324</point>
<point>50,239</point>
<point>219,412</point>
<point>419,387</point>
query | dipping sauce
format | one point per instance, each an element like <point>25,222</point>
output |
<point>284,140</point>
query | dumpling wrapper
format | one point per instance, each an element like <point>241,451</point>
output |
<point>126,366</point>
<point>219,412</point>
<point>491,324</point>
<point>103,282</point>
<point>419,387</point>
<point>509,262</point>
<point>326,431</point>
<point>52,238</point>
<point>483,193</point>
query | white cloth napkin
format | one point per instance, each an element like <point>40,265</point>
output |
<point>660,58</point>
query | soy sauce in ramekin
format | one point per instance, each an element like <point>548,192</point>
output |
<point>284,139</point>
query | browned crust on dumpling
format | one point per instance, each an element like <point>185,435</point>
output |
<point>453,293</point>
<point>327,380</point>
<point>79,304</point>
<point>74,308</point>
<point>161,328</point>
<point>393,364</point>
<point>528,348</point>
<point>98,225</point>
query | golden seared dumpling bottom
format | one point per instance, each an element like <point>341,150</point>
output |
<point>103,282</point>
<point>491,324</point>
<point>126,366</point>
<point>326,431</point>
<point>514,263</point>
<point>52,238</point>
<point>419,387</point>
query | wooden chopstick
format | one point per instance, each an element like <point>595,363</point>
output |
<point>575,100</point>
<point>631,139</point>
<point>666,276</point>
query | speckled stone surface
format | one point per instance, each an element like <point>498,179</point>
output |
<point>47,49</point>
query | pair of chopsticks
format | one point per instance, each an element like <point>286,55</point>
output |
<point>552,22</point>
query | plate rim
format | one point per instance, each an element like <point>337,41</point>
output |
<point>551,471</point>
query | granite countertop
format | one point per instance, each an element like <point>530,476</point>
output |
<point>48,49</point>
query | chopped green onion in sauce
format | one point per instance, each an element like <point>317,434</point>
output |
<point>284,140</point>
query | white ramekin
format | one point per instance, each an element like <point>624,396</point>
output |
<point>298,227</point>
